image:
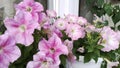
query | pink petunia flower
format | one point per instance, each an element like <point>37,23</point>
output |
<point>71,18</point>
<point>40,60</point>
<point>30,8</point>
<point>9,52</point>
<point>61,24</point>
<point>75,31</point>
<point>82,21</point>
<point>109,41</point>
<point>111,64</point>
<point>21,29</point>
<point>53,47</point>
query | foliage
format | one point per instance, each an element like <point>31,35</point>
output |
<point>101,8</point>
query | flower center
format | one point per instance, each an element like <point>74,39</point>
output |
<point>72,30</point>
<point>29,9</point>
<point>52,50</point>
<point>61,24</point>
<point>103,41</point>
<point>22,28</point>
<point>45,64</point>
<point>1,50</point>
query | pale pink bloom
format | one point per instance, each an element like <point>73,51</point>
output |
<point>71,56</point>
<point>53,47</point>
<point>81,49</point>
<point>111,64</point>
<point>71,18</point>
<point>40,60</point>
<point>74,31</point>
<point>109,41</point>
<point>51,13</point>
<point>21,29</point>
<point>61,24</point>
<point>82,21</point>
<point>30,8</point>
<point>9,52</point>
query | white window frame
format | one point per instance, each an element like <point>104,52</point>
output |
<point>64,7</point>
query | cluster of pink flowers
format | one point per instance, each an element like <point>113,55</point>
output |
<point>72,25</point>
<point>25,21</point>
<point>30,16</point>
<point>19,30</point>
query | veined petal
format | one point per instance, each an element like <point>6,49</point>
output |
<point>43,45</point>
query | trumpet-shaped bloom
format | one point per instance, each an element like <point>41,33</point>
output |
<point>40,60</point>
<point>53,47</point>
<point>71,18</point>
<point>82,21</point>
<point>30,8</point>
<point>61,24</point>
<point>110,40</point>
<point>111,64</point>
<point>75,31</point>
<point>9,52</point>
<point>21,29</point>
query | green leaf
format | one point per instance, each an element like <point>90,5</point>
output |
<point>116,15</point>
<point>104,64</point>
<point>95,57</point>
<point>97,52</point>
<point>63,61</point>
<point>106,23</point>
<point>90,2</point>
<point>98,11</point>
<point>99,46</point>
<point>100,3</point>
<point>108,8</point>
<point>87,57</point>
<point>119,27</point>
<point>0,33</point>
<point>90,48</point>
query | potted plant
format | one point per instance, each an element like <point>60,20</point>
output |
<point>38,39</point>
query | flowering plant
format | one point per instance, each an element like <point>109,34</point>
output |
<point>37,39</point>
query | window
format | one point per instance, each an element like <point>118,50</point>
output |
<point>64,6</point>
